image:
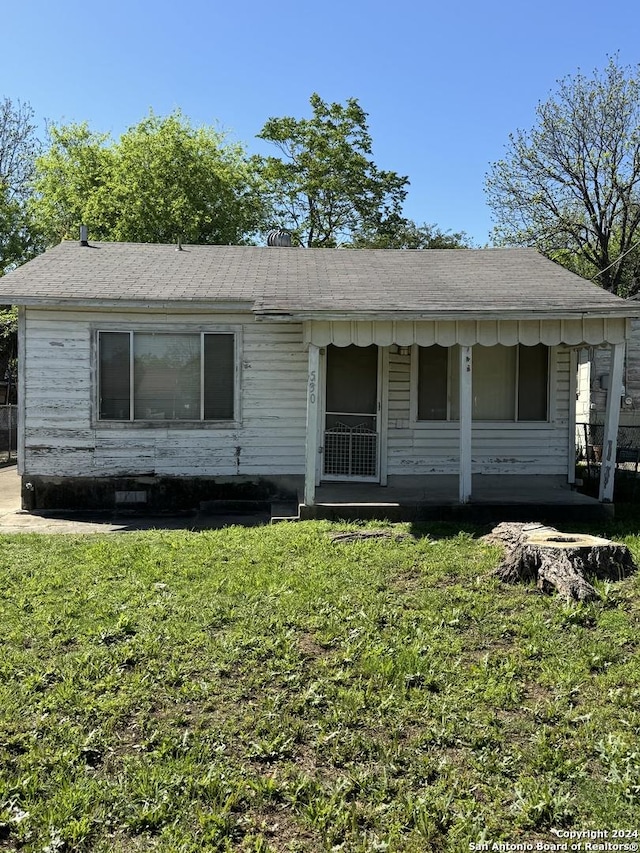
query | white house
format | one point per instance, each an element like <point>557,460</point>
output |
<point>154,376</point>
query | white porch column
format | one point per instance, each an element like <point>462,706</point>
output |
<point>22,386</point>
<point>573,426</point>
<point>611,420</point>
<point>313,409</point>
<point>466,414</point>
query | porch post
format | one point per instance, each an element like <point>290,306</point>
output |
<point>573,426</point>
<point>311,448</point>
<point>22,386</point>
<point>611,420</point>
<point>466,410</point>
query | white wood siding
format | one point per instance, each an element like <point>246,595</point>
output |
<point>496,448</point>
<point>600,367</point>
<point>61,441</point>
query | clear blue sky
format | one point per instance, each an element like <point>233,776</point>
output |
<point>444,83</point>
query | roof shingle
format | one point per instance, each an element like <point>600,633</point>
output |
<point>305,281</point>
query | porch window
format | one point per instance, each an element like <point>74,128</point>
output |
<point>182,376</point>
<point>509,383</point>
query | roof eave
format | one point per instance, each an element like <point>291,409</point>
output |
<point>83,304</point>
<point>448,315</point>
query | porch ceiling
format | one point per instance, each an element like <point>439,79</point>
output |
<point>571,331</point>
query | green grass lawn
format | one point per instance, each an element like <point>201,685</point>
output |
<point>269,689</point>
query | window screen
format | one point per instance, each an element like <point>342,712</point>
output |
<point>433,385</point>
<point>509,383</point>
<point>494,383</point>
<point>219,377</point>
<point>533,372</point>
<point>115,389</point>
<point>182,376</point>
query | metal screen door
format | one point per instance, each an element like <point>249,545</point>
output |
<point>351,413</point>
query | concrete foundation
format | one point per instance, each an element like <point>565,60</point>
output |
<point>150,494</point>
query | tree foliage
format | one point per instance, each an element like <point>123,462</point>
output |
<point>18,148</point>
<point>18,238</point>
<point>571,185</point>
<point>406,234</point>
<point>161,182</point>
<point>325,188</point>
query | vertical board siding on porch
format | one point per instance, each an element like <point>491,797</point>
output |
<point>496,449</point>
<point>61,441</point>
<point>596,395</point>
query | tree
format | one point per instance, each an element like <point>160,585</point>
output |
<point>69,177</point>
<point>571,185</point>
<point>18,240</point>
<point>325,188</point>
<point>406,234</point>
<point>162,181</point>
<point>18,149</point>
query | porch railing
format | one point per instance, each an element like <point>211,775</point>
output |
<point>590,446</point>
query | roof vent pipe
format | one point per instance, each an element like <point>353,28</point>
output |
<point>279,238</point>
<point>84,235</point>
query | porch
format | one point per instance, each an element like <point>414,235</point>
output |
<point>481,413</point>
<point>419,498</point>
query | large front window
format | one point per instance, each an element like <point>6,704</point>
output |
<point>509,383</point>
<point>182,376</point>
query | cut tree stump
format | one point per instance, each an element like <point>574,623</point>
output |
<point>560,561</point>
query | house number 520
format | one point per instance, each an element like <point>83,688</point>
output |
<point>312,386</point>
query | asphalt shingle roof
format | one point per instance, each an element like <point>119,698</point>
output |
<point>306,281</point>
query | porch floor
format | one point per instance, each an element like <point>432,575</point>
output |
<point>416,498</point>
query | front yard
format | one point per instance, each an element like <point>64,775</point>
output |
<point>273,689</point>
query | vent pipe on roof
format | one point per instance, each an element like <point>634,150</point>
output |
<point>280,237</point>
<point>84,235</point>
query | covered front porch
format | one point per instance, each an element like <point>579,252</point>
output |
<point>495,498</point>
<point>512,466</point>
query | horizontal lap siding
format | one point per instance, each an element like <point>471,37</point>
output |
<point>496,449</point>
<point>58,434</point>
<point>60,440</point>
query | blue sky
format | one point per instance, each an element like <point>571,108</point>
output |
<point>444,84</point>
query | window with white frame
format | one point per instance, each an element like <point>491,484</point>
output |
<point>168,376</point>
<point>509,383</point>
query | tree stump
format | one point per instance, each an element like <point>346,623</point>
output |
<point>560,561</point>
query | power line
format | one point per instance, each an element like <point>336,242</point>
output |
<point>619,258</point>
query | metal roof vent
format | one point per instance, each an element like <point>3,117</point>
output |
<point>279,237</point>
<point>84,235</point>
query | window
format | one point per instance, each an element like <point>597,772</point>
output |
<point>438,383</point>
<point>509,383</point>
<point>182,376</point>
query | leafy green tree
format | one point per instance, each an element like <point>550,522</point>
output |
<point>406,234</point>
<point>8,344</point>
<point>18,149</point>
<point>18,240</point>
<point>325,188</point>
<point>69,179</point>
<point>161,182</point>
<point>571,185</point>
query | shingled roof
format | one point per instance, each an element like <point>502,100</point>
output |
<point>309,282</point>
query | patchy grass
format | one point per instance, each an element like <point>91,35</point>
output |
<point>268,689</point>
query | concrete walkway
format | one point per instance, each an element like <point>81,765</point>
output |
<point>15,520</point>
<point>9,490</point>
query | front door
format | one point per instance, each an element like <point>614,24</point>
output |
<point>351,428</point>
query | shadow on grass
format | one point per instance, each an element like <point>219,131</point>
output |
<point>440,530</point>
